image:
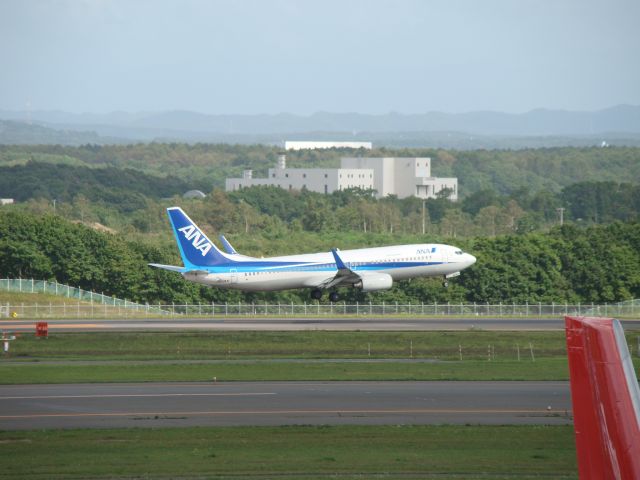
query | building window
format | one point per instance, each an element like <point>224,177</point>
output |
<point>326,189</point>
<point>273,175</point>
<point>326,175</point>
<point>286,175</point>
<point>304,175</point>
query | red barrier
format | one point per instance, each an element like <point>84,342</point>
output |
<point>606,399</point>
<point>42,329</point>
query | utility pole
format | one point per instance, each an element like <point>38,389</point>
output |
<point>561,213</point>
<point>423,217</point>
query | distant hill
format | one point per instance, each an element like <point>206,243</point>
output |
<point>22,133</point>
<point>123,188</point>
<point>538,128</point>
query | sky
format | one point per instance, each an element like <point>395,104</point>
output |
<point>306,56</point>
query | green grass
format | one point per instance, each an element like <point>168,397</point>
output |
<point>306,344</point>
<point>17,298</point>
<point>543,369</point>
<point>271,356</point>
<point>452,452</point>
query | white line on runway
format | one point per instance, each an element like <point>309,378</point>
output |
<point>42,397</point>
<point>418,411</point>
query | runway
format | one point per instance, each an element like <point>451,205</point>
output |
<point>282,403</point>
<point>298,324</point>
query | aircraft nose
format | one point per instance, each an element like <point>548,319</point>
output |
<point>471,259</point>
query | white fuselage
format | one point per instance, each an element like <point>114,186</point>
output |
<point>312,270</point>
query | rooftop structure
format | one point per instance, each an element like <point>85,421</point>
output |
<point>311,145</point>
<point>400,176</point>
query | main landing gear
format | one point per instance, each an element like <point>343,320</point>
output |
<point>445,282</point>
<point>316,294</point>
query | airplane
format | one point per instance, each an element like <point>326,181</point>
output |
<point>369,269</point>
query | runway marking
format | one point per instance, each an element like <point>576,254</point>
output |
<point>295,412</point>
<point>114,395</point>
<point>55,325</point>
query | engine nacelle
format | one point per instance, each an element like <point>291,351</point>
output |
<point>374,281</point>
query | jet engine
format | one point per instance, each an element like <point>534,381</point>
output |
<point>374,281</point>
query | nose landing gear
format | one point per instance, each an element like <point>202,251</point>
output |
<point>334,297</point>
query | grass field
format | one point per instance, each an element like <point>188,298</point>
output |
<point>544,369</point>
<point>451,452</point>
<point>247,356</point>
<point>307,344</point>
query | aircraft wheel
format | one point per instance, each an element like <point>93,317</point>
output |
<point>334,297</point>
<point>445,284</point>
<point>316,294</point>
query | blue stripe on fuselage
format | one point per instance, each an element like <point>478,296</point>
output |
<point>257,266</point>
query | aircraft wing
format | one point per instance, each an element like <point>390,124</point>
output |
<point>343,275</point>
<point>227,246</point>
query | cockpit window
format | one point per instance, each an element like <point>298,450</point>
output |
<point>459,252</point>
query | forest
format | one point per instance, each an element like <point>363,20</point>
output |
<point>567,264</point>
<point>508,216</point>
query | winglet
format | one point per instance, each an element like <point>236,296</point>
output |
<point>339,263</point>
<point>227,246</point>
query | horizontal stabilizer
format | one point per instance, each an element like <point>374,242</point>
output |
<point>171,268</point>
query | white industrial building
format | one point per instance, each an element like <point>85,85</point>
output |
<point>400,176</point>
<point>310,145</point>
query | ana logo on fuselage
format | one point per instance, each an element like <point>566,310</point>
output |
<point>197,239</point>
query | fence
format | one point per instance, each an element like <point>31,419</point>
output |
<point>95,305</point>
<point>128,309</point>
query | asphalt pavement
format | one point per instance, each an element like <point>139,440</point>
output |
<point>282,403</point>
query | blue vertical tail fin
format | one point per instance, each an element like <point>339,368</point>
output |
<point>195,247</point>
